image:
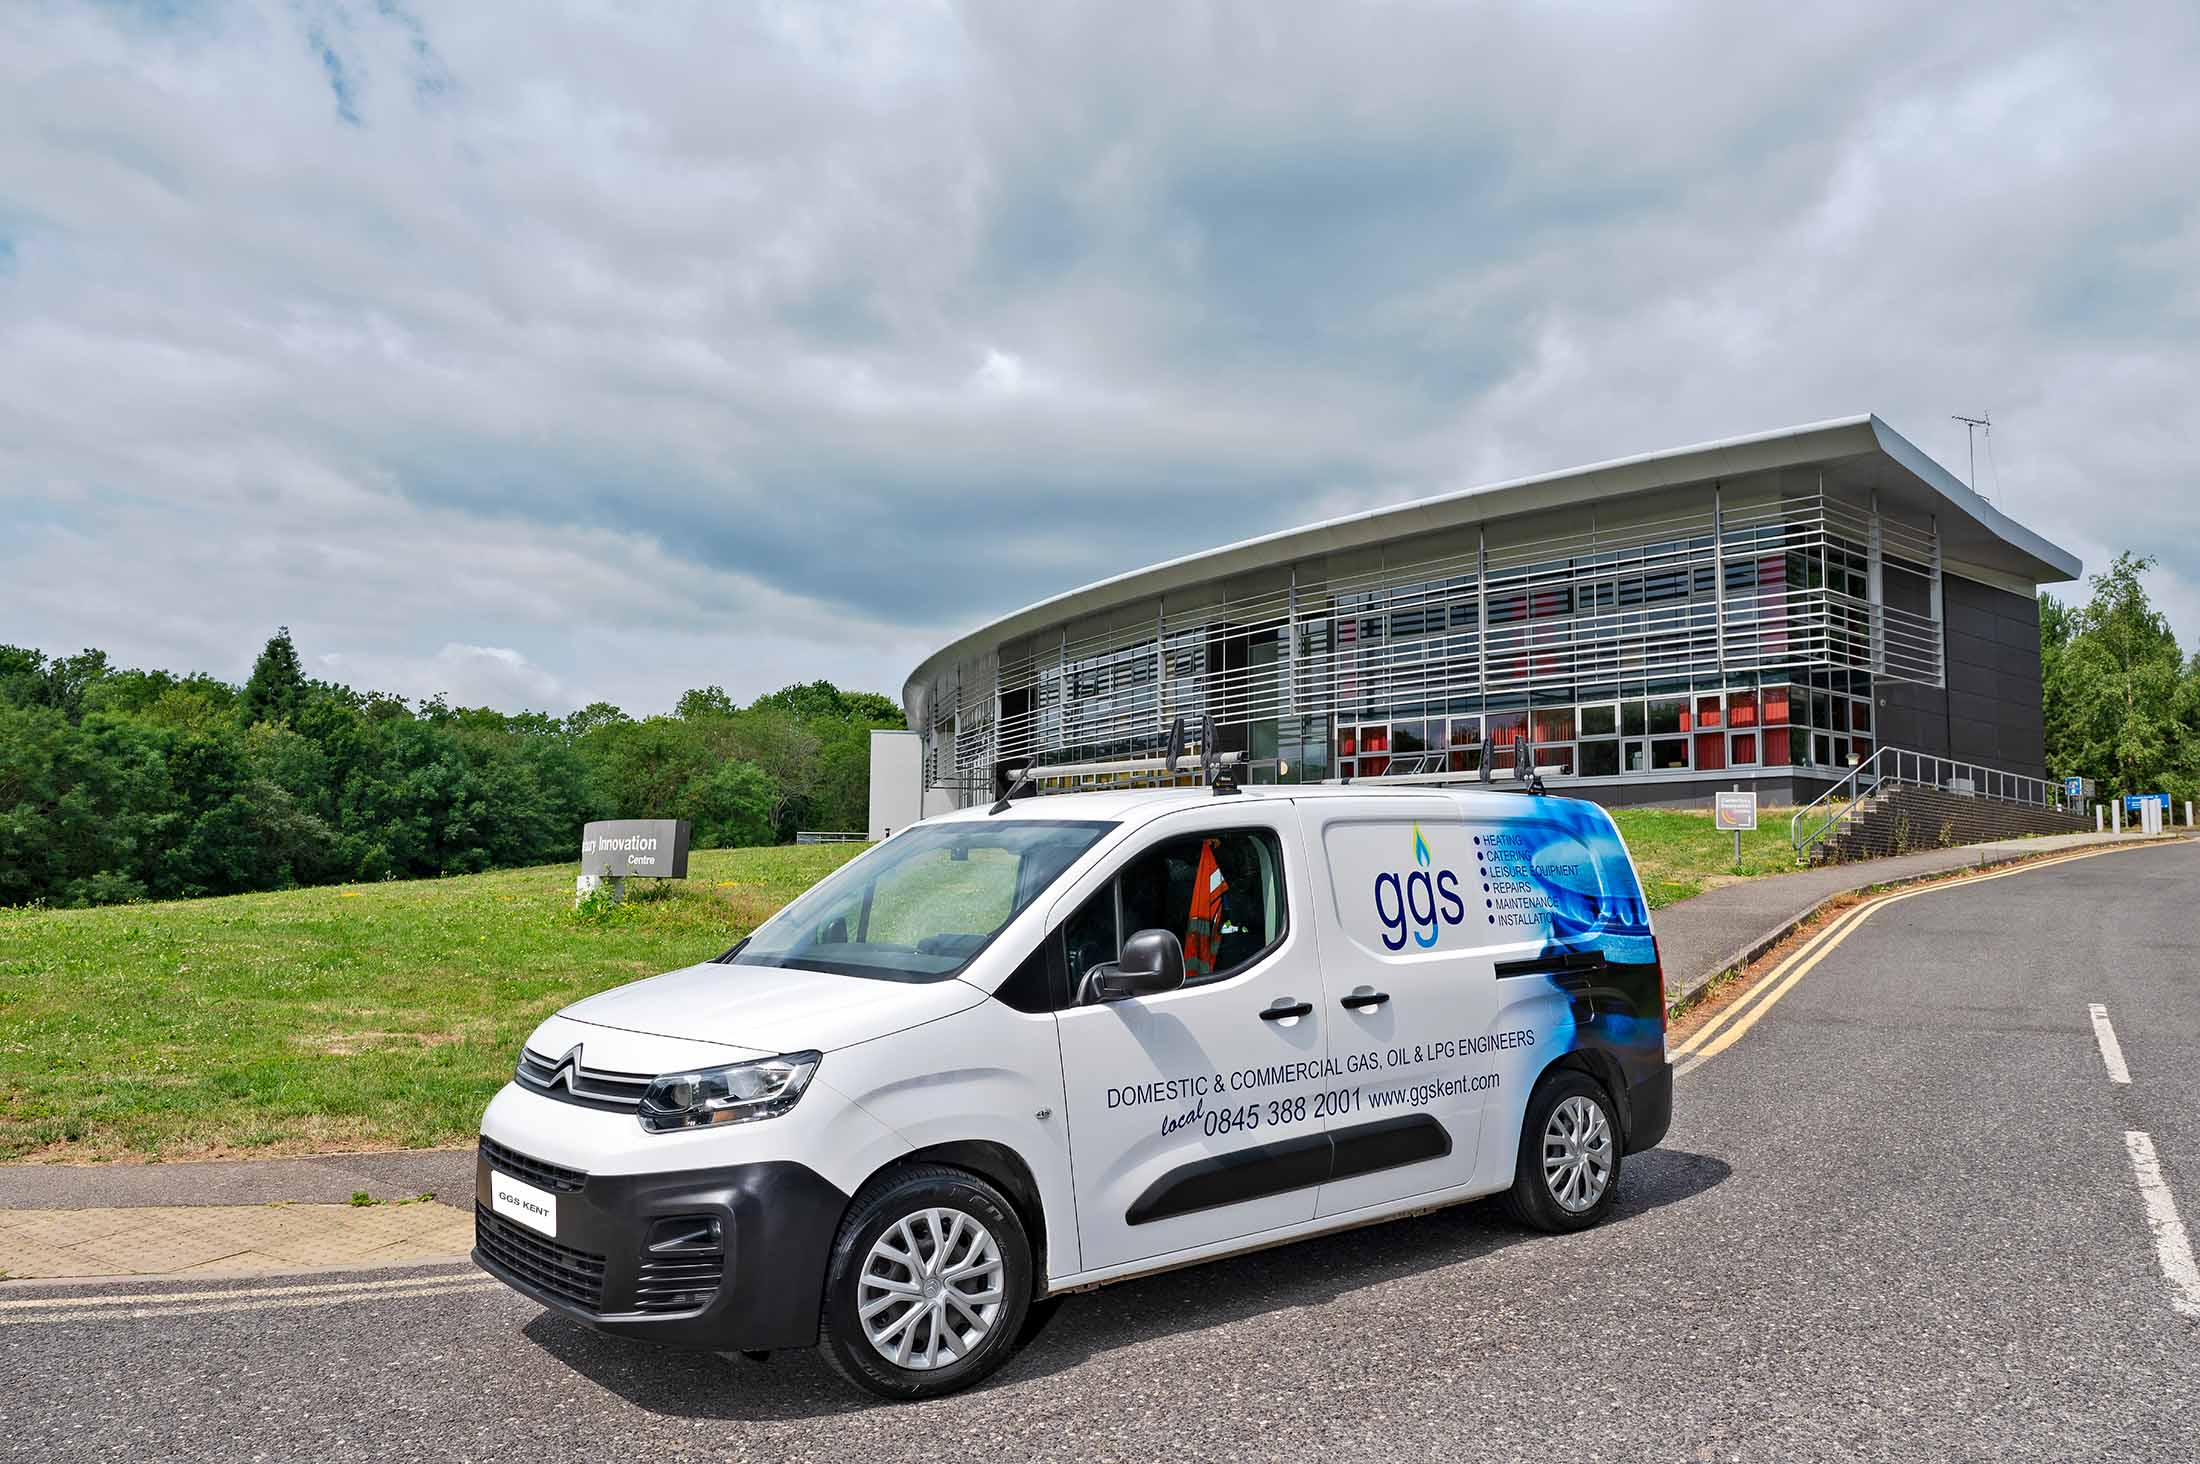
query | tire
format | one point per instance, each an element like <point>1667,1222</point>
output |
<point>932,1344</point>
<point>1555,1187</point>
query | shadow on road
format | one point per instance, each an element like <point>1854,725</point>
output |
<point>1068,1331</point>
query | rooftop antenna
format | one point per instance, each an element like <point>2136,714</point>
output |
<point>1022,780</point>
<point>1970,437</point>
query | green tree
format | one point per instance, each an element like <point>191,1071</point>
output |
<point>591,717</point>
<point>809,701</point>
<point>704,701</point>
<point>731,807</point>
<point>29,678</point>
<point>2112,680</point>
<point>277,684</point>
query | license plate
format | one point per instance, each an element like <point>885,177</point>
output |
<point>537,1209</point>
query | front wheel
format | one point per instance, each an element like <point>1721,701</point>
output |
<point>1568,1175</point>
<point>929,1285</point>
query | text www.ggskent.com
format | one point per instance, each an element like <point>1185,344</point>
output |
<point>1420,1095</point>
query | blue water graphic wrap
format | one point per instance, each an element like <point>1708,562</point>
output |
<point>1588,886</point>
<point>1590,902</point>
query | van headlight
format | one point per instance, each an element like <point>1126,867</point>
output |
<point>740,1092</point>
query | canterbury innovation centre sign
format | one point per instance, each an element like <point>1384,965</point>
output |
<point>653,848</point>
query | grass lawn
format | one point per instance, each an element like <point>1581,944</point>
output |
<point>1679,854</point>
<point>349,1017</point>
<point>384,1015</point>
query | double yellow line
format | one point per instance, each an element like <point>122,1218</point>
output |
<point>1729,1026</point>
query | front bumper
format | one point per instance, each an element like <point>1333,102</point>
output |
<point>775,1226</point>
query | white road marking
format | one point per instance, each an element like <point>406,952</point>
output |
<point>124,1298</point>
<point>78,1313</point>
<point>2171,1246</point>
<point>2112,1052</point>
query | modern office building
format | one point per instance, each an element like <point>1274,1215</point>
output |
<point>1762,611</point>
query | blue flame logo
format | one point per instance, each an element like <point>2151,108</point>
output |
<point>1420,846</point>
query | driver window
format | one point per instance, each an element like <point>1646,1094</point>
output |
<point>1221,894</point>
<point>1089,937</point>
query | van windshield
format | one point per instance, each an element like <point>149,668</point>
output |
<point>920,907</point>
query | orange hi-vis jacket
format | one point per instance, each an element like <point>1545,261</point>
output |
<point>1203,931</point>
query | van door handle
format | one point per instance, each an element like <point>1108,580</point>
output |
<point>1284,1009</point>
<point>1362,998</point>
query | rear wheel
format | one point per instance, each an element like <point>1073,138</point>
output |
<point>1568,1175</point>
<point>929,1285</point>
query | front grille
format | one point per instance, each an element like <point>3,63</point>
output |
<point>540,1173</point>
<point>568,1080</point>
<point>572,1275</point>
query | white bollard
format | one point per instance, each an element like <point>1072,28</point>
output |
<point>2100,820</point>
<point>2188,813</point>
<point>2116,815</point>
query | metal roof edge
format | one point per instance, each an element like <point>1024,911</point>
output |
<point>1638,473</point>
<point>2051,556</point>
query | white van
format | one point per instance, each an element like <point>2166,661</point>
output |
<point>1006,1055</point>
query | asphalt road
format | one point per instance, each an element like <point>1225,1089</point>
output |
<point>1898,1219</point>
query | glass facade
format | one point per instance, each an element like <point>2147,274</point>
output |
<point>1724,638</point>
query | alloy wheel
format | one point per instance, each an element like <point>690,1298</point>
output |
<point>931,1289</point>
<point>1577,1154</point>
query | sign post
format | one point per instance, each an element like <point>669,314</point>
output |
<point>645,848</point>
<point>2149,810</point>
<point>1736,811</point>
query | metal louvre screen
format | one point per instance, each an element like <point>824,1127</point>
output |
<point>1783,613</point>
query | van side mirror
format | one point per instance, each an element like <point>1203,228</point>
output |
<point>1153,961</point>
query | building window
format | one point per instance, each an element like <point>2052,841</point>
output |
<point>1374,749</point>
<point>1465,743</point>
<point>1506,731</point>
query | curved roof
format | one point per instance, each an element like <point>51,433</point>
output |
<point>1973,531</point>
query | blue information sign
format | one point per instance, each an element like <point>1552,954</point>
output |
<point>2133,802</point>
<point>2073,787</point>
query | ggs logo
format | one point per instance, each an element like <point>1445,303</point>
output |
<point>1410,906</point>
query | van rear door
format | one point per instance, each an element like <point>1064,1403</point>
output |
<point>1408,983</point>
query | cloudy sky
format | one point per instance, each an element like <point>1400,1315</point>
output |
<point>538,354</point>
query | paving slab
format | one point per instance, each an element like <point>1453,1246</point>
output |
<point>226,1240</point>
<point>1716,931</point>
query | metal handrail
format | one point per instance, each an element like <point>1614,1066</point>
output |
<point>1900,765</point>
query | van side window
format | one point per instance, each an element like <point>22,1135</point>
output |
<point>1220,893</point>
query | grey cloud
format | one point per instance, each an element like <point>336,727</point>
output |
<point>857,323</point>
